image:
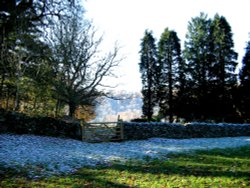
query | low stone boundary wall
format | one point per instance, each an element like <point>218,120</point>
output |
<point>18,123</point>
<point>137,131</point>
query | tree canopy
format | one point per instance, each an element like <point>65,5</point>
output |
<point>79,72</point>
<point>148,69</point>
<point>169,59</point>
<point>199,82</point>
<point>50,58</point>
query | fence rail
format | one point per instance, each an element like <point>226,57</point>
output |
<point>102,131</point>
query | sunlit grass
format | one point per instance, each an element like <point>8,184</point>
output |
<point>215,168</point>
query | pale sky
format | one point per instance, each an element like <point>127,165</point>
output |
<point>125,21</point>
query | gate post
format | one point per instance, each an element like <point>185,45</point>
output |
<point>120,125</point>
<point>83,130</point>
<point>122,130</point>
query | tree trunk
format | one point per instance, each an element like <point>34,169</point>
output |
<point>72,109</point>
<point>170,88</point>
<point>7,99</point>
<point>35,104</point>
<point>58,104</point>
<point>150,99</point>
<point>17,101</point>
<point>1,91</point>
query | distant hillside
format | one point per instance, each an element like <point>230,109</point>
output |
<point>127,105</point>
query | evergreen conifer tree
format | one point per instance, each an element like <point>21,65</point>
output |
<point>197,54</point>
<point>169,54</point>
<point>147,66</point>
<point>244,75</point>
<point>222,71</point>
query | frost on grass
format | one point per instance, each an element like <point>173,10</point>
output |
<point>45,156</point>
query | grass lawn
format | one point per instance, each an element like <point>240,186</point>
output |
<point>215,168</point>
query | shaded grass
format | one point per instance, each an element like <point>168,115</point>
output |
<point>214,168</point>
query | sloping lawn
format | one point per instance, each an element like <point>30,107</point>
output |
<point>213,168</point>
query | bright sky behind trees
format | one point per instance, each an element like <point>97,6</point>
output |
<point>125,21</point>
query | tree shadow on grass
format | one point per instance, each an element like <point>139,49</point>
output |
<point>86,177</point>
<point>231,163</point>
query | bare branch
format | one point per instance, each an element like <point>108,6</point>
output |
<point>81,66</point>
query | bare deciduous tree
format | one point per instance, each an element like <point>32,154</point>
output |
<point>79,66</point>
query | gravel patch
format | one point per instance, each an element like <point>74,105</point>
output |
<point>46,156</point>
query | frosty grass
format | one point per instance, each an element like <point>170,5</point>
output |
<point>46,156</point>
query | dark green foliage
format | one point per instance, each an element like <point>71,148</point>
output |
<point>197,55</point>
<point>46,57</point>
<point>211,68</point>
<point>169,71</point>
<point>154,119</point>
<point>203,85</point>
<point>222,74</point>
<point>244,88</point>
<point>24,67</point>
<point>245,70</point>
<point>148,70</point>
<point>139,120</point>
<point>16,31</point>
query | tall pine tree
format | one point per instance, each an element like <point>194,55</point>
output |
<point>211,64</point>
<point>244,97</point>
<point>169,54</point>
<point>197,54</point>
<point>222,72</point>
<point>147,69</point>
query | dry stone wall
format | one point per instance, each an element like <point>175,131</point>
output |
<point>137,131</point>
<point>18,123</point>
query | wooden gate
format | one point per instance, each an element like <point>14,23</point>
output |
<point>102,131</point>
